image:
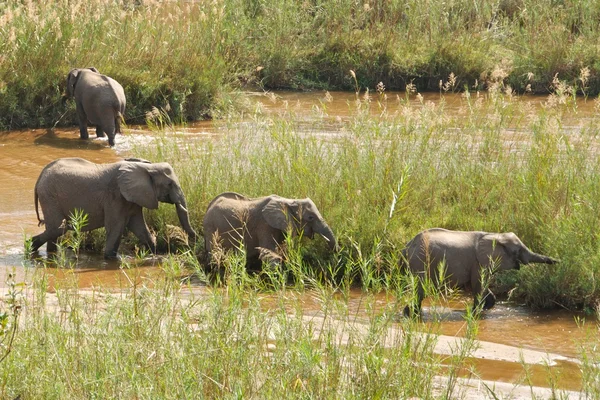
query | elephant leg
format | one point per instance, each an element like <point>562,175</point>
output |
<point>37,241</point>
<point>118,125</point>
<point>483,298</point>
<point>114,223</point>
<point>108,126</point>
<point>138,226</point>
<point>489,300</point>
<point>99,131</point>
<point>267,251</point>
<point>49,236</point>
<point>414,307</point>
<point>83,121</point>
<point>55,228</point>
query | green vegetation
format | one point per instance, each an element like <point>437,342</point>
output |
<point>498,163</point>
<point>252,337</point>
<point>495,164</point>
<point>186,57</point>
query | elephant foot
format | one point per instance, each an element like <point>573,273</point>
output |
<point>51,246</point>
<point>411,311</point>
<point>111,141</point>
<point>112,256</point>
<point>36,243</point>
<point>100,133</point>
<point>489,301</point>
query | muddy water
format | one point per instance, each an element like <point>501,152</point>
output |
<point>25,153</point>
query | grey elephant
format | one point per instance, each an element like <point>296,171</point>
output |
<point>259,225</point>
<point>99,100</point>
<point>467,255</point>
<point>112,195</point>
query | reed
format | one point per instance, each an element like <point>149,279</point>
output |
<point>167,339</point>
<point>497,164</point>
<point>187,56</point>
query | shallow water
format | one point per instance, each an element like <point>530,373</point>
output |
<point>24,154</point>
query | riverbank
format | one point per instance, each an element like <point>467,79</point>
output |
<point>174,341</point>
<point>493,161</point>
<point>187,57</point>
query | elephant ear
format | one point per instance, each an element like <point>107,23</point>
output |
<point>136,184</point>
<point>277,213</point>
<point>72,78</point>
<point>492,250</point>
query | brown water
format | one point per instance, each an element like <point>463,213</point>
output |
<point>25,153</point>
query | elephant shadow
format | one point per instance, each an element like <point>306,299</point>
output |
<point>446,314</point>
<point>89,261</point>
<point>66,141</point>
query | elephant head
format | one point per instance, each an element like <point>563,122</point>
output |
<point>72,78</point>
<point>146,184</point>
<point>297,216</point>
<point>507,250</point>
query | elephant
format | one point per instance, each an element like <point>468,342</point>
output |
<point>259,225</point>
<point>112,196</point>
<point>467,256</point>
<point>99,100</point>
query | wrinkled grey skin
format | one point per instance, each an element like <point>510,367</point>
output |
<point>260,224</point>
<point>99,100</point>
<point>112,195</point>
<point>466,255</point>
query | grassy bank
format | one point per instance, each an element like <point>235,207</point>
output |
<point>495,164</point>
<point>164,339</point>
<point>233,342</point>
<point>188,55</point>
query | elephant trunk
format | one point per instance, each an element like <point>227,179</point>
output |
<point>532,257</point>
<point>327,233</point>
<point>184,220</point>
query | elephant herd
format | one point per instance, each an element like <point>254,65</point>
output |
<point>113,195</point>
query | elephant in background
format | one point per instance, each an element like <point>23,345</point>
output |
<point>112,195</point>
<point>260,224</point>
<point>467,256</point>
<point>99,100</point>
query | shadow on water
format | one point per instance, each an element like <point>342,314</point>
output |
<point>88,270</point>
<point>52,139</point>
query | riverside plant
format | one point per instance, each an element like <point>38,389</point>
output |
<point>495,162</point>
<point>249,337</point>
<point>187,56</point>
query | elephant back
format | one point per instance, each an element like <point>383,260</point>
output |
<point>227,195</point>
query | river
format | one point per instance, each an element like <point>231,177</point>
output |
<point>24,153</point>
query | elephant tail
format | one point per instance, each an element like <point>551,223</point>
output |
<point>119,117</point>
<point>37,213</point>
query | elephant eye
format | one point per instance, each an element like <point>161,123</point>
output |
<point>310,218</point>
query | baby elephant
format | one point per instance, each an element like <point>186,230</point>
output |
<point>466,255</point>
<point>259,225</point>
<point>99,100</point>
<point>112,196</point>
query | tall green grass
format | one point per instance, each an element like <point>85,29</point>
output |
<point>251,337</point>
<point>496,164</point>
<point>186,56</point>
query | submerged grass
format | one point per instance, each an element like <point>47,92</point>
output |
<point>185,56</point>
